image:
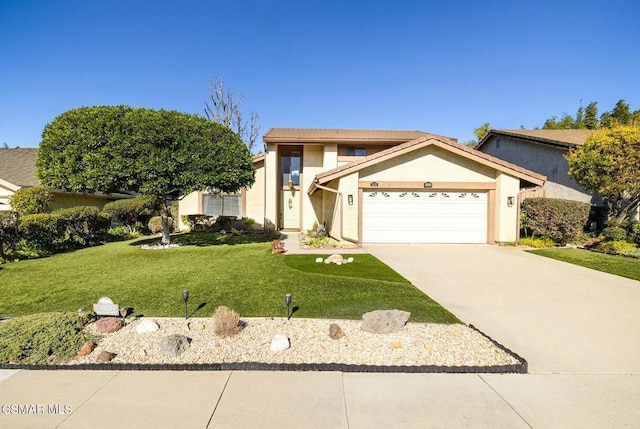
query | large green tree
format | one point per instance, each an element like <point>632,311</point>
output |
<point>161,153</point>
<point>609,164</point>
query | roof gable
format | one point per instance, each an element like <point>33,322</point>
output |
<point>558,138</point>
<point>18,166</point>
<point>446,144</point>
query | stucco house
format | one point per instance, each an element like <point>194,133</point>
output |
<point>379,186</point>
<point>18,170</point>
<point>542,151</point>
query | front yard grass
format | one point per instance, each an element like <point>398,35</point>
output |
<point>238,272</point>
<point>618,265</point>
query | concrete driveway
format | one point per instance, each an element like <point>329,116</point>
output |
<point>560,317</point>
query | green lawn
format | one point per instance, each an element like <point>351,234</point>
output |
<point>618,265</point>
<point>238,272</point>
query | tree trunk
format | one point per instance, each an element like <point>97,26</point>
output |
<point>164,216</point>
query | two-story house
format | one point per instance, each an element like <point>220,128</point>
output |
<point>377,186</point>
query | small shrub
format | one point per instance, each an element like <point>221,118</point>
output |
<point>199,222</point>
<point>155,224</point>
<point>45,338</point>
<point>614,233</point>
<point>248,224</point>
<point>40,234</point>
<point>559,220</point>
<point>634,232</point>
<point>8,231</point>
<point>224,222</point>
<point>235,232</point>
<point>225,322</point>
<point>537,243</point>
<point>122,233</point>
<point>83,226</point>
<point>130,211</point>
<point>34,200</point>
<point>617,247</point>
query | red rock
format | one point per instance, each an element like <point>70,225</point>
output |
<point>86,348</point>
<point>106,325</point>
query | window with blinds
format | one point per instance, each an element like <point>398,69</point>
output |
<point>223,205</point>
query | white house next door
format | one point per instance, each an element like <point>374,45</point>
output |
<point>424,217</point>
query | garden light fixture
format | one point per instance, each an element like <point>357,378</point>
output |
<point>287,300</point>
<point>185,298</point>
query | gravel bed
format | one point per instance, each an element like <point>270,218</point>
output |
<point>417,344</point>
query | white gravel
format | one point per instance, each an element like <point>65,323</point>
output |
<point>417,344</point>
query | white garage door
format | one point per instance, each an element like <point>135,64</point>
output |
<point>424,217</point>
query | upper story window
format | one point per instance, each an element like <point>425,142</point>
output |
<point>356,151</point>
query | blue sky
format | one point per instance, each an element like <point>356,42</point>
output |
<point>441,67</point>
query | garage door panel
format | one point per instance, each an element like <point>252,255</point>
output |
<point>424,217</point>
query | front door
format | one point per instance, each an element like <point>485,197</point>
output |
<point>290,173</point>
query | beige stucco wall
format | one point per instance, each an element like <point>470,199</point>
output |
<point>254,196</point>
<point>5,193</point>
<point>188,205</point>
<point>546,160</point>
<point>349,186</point>
<point>312,164</point>
<point>506,220</point>
<point>429,164</point>
<point>65,201</point>
<point>271,185</point>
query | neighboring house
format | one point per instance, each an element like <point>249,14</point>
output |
<point>382,187</point>
<point>18,170</point>
<point>542,151</point>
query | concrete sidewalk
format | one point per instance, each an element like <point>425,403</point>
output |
<point>180,399</point>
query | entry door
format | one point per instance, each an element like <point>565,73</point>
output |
<point>290,171</point>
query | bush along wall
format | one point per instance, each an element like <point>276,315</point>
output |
<point>557,219</point>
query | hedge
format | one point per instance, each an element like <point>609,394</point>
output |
<point>557,219</point>
<point>130,211</point>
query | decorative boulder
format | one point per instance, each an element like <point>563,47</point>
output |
<point>107,325</point>
<point>174,345</point>
<point>384,321</point>
<point>280,343</point>
<point>86,348</point>
<point>335,331</point>
<point>105,357</point>
<point>147,326</point>
<point>336,259</point>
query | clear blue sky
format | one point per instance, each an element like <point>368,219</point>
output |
<point>444,67</point>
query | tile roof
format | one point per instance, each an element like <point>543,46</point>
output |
<point>18,166</point>
<point>333,135</point>
<point>566,138</point>
<point>424,141</point>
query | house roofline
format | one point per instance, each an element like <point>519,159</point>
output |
<point>526,138</point>
<point>446,144</point>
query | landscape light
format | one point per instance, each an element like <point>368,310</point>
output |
<point>185,298</point>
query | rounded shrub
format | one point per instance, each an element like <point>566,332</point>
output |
<point>614,233</point>
<point>557,219</point>
<point>33,200</point>
<point>155,224</point>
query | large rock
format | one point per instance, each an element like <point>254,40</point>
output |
<point>336,259</point>
<point>147,326</point>
<point>174,345</point>
<point>86,348</point>
<point>384,321</point>
<point>105,357</point>
<point>280,343</point>
<point>107,325</point>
